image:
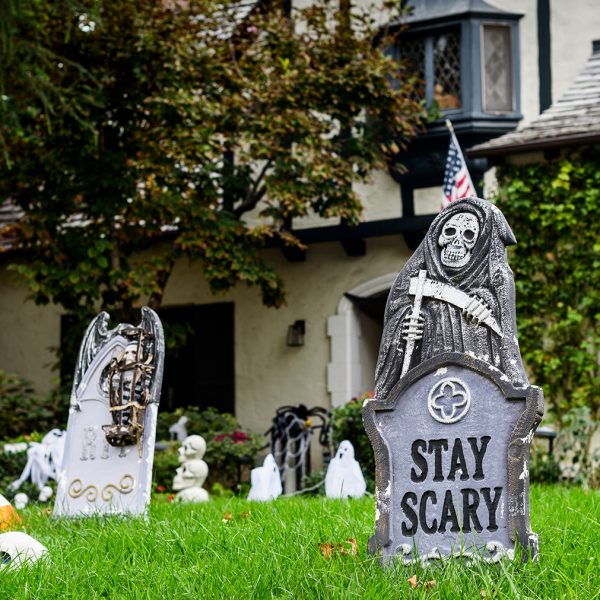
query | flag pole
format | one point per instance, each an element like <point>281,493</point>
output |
<point>458,149</point>
<point>454,138</point>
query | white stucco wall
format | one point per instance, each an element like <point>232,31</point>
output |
<point>28,334</point>
<point>268,373</point>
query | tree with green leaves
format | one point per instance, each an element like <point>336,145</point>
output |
<point>170,122</point>
<point>554,210</point>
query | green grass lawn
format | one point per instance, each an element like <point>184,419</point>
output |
<point>273,552</point>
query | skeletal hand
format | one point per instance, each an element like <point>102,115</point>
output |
<point>477,311</point>
<point>412,327</point>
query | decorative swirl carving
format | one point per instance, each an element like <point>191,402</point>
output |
<point>493,552</point>
<point>125,486</point>
<point>76,490</point>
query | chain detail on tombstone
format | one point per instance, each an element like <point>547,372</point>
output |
<point>109,450</point>
<point>453,415</point>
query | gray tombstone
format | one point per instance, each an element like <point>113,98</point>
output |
<point>453,415</point>
<point>109,450</point>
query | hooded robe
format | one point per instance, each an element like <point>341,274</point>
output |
<point>447,328</point>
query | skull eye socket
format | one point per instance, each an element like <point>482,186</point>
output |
<point>469,235</point>
<point>450,231</point>
<point>5,558</point>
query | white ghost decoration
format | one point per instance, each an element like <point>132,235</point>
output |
<point>21,500</point>
<point>344,478</point>
<point>18,548</point>
<point>265,480</point>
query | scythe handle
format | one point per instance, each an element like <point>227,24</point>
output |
<point>414,315</point>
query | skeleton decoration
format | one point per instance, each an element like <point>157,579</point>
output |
<point>344,477</point>
<point>192,473</point>
<point>43,460</point>
<point>45,494</point>
<point>21,500</point>
<point>109,449</point>
<point>265,481</point>
<point>454,415</point>
<point>18,549</point>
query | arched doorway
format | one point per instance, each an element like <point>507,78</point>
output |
<point>355,333</point>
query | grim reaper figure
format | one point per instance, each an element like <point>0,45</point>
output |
<point>455,294</point>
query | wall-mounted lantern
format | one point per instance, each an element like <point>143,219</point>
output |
<point>295,334</point>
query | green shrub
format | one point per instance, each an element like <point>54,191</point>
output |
<point>229,449</point>
<point>23,412</point>
<point>347,424</point>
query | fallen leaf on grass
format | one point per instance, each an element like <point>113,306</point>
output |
<point>429,585</point>
<point>486,594</point>
<point>227,517</point>
<point>413,581</point>
<point>326,550</point>
<point>353,546</point>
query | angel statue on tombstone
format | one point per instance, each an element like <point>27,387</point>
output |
<point>455,294</point>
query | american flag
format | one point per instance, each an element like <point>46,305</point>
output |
<point>457,181</point>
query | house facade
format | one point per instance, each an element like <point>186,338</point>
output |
<point>491,67</point>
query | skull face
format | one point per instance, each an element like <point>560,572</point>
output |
<point>190,474</point>
<point>458,238</point>
<point>193,447</point>
<point>18,548</point>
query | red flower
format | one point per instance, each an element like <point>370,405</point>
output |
<point>161,488</point>
<point>171,497</point>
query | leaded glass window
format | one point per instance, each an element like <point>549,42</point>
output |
<point>412,49</point>
<point>446,70</point>
<point>497,69</point>
<point>435,57</point>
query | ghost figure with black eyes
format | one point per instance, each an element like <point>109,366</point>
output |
<point>266,481</point>
<point>344,477</point>
<point>189,478</point>
<point>18,549</point>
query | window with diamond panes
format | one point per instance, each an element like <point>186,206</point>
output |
<point>446,70</point>
<point>413,51</point>
<point>497,69</point>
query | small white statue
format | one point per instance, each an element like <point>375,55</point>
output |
<point>193,448</point>
<point>17,549</point>
<point>344,477</point>
<point>21,500</point>
<point>45,494</point>
<point>178,431</point>
<point>265,481</point>
<point>193,471</point>
<point>43,460</point>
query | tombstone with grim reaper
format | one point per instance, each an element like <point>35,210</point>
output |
<point>455,294</point>
<point>453,414</point>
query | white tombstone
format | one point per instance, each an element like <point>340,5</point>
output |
<point>107,466</point>
<point>344,477</point>
<point>265,481</point>
<point>18,549</point>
